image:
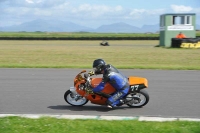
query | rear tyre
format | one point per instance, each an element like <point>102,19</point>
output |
<point>74,99</point>
<point>139,99</point>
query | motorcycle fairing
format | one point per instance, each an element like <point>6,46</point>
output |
<point>138,81</point>
<point>94,98</point>
<point>96,81</point>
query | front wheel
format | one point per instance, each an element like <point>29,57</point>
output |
<point>138,99</point>
<point>74,99</point>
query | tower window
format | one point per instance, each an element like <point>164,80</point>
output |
<point>181,20</point>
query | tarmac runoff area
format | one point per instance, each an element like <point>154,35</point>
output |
<point>139,118</point>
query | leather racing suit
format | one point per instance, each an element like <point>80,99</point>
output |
<point>117,80</point>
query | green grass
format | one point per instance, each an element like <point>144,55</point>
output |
<point>53,125</point>
<point>80,54</point>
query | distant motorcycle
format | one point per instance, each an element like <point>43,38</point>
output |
<point>82,92</point>
<point>104,43</point>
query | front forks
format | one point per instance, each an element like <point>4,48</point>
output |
<point>74,94</point>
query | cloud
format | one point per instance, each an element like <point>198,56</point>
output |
<point>69,10</point>
<point>29,1</point>
<point>181,8</point>
<point>186,9</point>
<point>50,3</point>
<point>66,11</point>
<point>95,10</point>
<point>143,13</point>
<point>33,1</point>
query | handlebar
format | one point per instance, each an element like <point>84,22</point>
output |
<point>84,78</point>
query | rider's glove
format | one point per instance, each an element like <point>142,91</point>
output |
<point>91,73</point>
<point>90,91</point>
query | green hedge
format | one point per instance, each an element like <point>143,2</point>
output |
<point>80,38</point>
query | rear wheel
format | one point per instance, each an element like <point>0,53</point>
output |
<point>138,99</point>
<point>74,99</point>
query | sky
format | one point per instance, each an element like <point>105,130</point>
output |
<point>94,13</point>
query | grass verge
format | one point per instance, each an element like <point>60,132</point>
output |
<point>80,54</point>
<point>53,125</point>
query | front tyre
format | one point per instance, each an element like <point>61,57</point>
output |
<point>139,99</point>
<point>74,99</point>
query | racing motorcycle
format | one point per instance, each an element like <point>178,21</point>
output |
<point>82,92</point>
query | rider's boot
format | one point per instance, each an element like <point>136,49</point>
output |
<point>109,104</point>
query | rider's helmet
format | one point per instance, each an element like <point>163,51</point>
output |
<point>98,66</point>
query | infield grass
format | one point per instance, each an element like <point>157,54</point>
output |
<point>80,54</point>
<point>53,125</point>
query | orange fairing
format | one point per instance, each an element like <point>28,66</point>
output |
<point>95,82</point>
<point>108,89</point>
<point>78,78</point>
<point>138,80</point>
<point>97,99</point>
<point>79,91</point>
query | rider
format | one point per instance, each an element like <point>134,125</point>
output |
<point>114,77</point>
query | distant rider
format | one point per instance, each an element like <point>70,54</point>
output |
<point>114,77</point>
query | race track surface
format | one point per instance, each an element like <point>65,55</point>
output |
<point>173,93</point>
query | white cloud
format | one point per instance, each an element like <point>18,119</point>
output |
<point>137,11</point>
<point>68,10</point>
<point>96,10</point>
<point>181,8</point>
<point>118,8</point>
<point>143,13</point>
<point>147,12</point>
<point>33,1</point>
<point>39,1</point>
<point>29,1</point>
<point>42,13</point>
<point>86,11</point>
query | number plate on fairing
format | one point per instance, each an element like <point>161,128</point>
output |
<point>135,88</point>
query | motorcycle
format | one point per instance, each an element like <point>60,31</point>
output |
<point>82,92</point>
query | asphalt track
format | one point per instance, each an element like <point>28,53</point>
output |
<point>173,93</point>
